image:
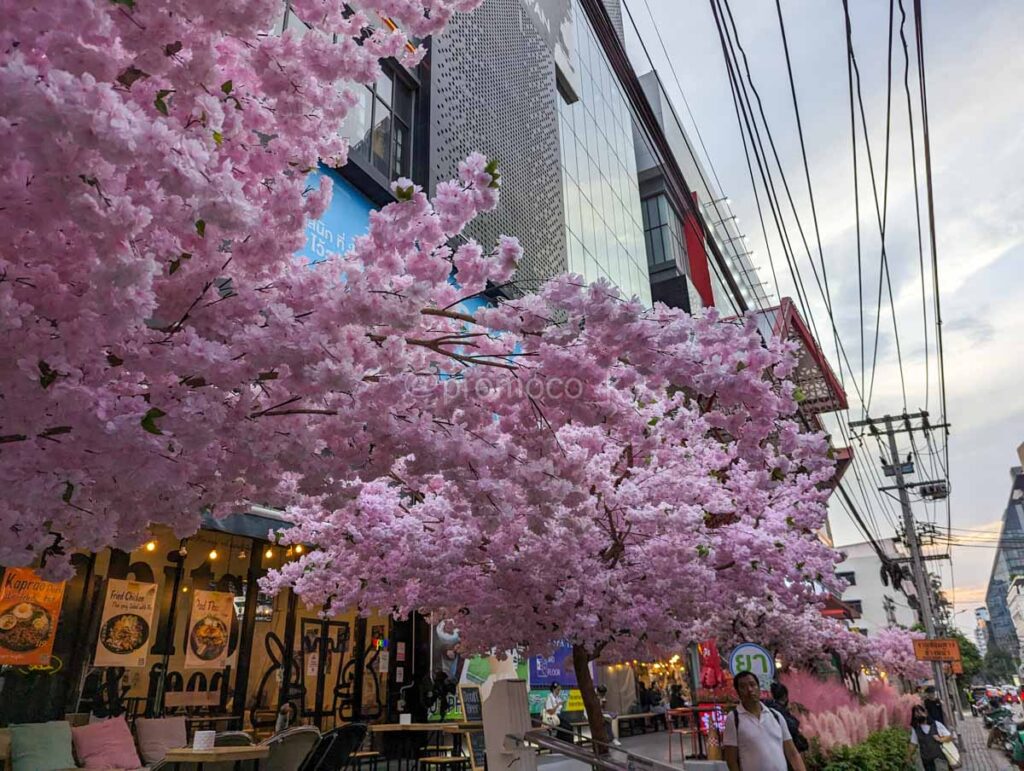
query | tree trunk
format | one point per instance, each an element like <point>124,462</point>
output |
<point>581,664</point>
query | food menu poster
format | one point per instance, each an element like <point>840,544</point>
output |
<point>126,624</point>
<point>209,630</point>
<point>29,611</point>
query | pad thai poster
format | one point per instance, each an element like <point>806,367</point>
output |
<point>29,611</point>
<point>209,630</point>
<point>126,625</point>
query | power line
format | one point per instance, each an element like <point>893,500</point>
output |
<point>919,38</point>
<point>917,201</point>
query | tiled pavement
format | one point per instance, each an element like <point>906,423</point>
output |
<point>975,756</point>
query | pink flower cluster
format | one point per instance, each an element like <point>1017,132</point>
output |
<point>836,717</point>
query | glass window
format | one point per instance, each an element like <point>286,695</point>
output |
<point>379,127</point>
<point>356,126</point>
<point>381,137</point>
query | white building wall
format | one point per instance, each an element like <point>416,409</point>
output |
<point>863,565</point>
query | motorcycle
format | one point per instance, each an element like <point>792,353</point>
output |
<point>996,716</point>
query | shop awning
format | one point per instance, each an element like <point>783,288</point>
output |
<point>257,523</point>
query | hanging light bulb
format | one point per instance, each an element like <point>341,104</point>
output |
<point>184,588</point>
<point>268,553</point>
<point>213,554</point>
<point>298,548</point>
<point>151,546</point>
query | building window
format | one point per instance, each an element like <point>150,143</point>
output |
<point>379,126</point>
<point>850,578</point>
<point>855,605</point>
<point>663,234</point>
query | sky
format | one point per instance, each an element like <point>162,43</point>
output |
<point>975,79</point>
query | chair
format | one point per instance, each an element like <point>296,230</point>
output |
<point>232,739</point>
<point>290,748</point>
<point>335,748</point>
<point>681,732</point>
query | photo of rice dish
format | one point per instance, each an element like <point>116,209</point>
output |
<point>24,627</point>
<point>209,638</point>
<point>124,633</point>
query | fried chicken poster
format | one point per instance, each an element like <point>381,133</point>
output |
<point>126,627</point>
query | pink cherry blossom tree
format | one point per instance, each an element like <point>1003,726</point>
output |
<point>162,352</point>
<point>651,484</point>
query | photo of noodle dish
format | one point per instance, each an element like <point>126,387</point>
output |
<point>209,638</point>
<point>124,633</point>
<point>24,627</point>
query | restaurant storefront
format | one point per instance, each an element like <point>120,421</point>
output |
<point>181,625</point>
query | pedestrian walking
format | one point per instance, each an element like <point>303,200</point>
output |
<point>926,737</point>
<point>756,737</point>
<point>780,703</point>
<point>933,706</point>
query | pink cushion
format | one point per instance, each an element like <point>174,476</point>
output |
<point>157,735</point>
<point>105,745</point>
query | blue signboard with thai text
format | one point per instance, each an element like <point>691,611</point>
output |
<point>347,217</point>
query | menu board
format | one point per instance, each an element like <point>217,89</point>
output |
<point>477,750</point>
<point>472,706</point>
<point>209,630</point>
<point>126,625</point>
<point>29,611</point>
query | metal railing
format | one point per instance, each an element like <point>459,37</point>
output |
<point>614,758</point>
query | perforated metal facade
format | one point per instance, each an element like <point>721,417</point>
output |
<point>494,91</point>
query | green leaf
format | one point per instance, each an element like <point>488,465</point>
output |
<point>799,395</point>
<point>126,3</point>
<point>201,228</point>
<point>226,86</point>
<point>703,550</point>
<point>46,375</point>
<point>218,138</point>
<point>69,489</point>
<point>159,103</point>
<point>130,75</point>
<point>404,193</point>
<point>176,262</point>
<point>790,522</point>
<point>148,421</point>
<point>778,475</point>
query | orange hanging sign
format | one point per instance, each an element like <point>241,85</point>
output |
<point>29,611</point>
<point>937,650</point>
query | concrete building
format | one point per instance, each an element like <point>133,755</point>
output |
<point>880,604</point>
<point>1007,564</point>
<point>981,619</point>
<point>1015,607</point>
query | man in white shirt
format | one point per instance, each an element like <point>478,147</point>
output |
<point>756,738</point>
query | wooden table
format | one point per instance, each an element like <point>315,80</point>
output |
<point>254,752</point>
<point>408,749</point>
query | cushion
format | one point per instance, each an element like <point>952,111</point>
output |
<point>106,745</point>
<point>41,746</point>
<point>157,735</point>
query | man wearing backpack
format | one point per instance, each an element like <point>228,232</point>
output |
<point>756,737</point>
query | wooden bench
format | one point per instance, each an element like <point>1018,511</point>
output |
<point>628,723</point>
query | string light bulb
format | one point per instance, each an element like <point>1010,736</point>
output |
<point>268,553</point>
<point>151,546</point>
<point>298,548</point>
<point>213,554</point>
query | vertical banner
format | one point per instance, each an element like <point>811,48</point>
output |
<point>126,624</point>
<point>209,630</point>
<point>29,610</point>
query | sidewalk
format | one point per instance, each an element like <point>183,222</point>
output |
<point>975,756</point>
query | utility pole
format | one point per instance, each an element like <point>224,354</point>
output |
<point>922,581</point>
